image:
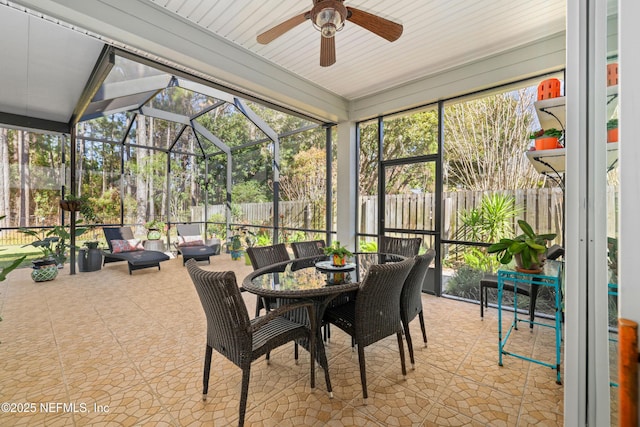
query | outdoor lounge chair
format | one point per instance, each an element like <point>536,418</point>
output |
<point>191,245</point>
<point>123,247</point>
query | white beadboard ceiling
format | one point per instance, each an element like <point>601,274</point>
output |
<point>51,46</point>
<point>438,35</point>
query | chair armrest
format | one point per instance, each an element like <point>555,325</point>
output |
<point>285,309</point>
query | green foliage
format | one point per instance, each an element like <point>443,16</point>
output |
<point>491,221</point>
<point>479,260</point>
<point>52,242</point>
<point>248,192</point>
<point>219,229</point>
<point>544,133</point>
<point>612,124</point>
<point>612,257</point>
<point>293,236</point>
<point>336,249</point>
<point>263,239</point>
<point>155,224</point>
<point>465,282</point>
<point>528,245</point>
<point>370,246</point>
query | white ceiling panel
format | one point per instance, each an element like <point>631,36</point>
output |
<point>438,34</point>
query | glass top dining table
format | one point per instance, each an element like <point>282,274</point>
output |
<point>314,279</point>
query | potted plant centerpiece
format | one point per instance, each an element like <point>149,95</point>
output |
<point>338,253</point>
<point>527,249</point>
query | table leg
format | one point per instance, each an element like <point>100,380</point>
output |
<point>558,331</point>
<point>500,288</point>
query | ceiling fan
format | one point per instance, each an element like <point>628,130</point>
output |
<point>328,17</point>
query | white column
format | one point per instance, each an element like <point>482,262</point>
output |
<point>346,184</point>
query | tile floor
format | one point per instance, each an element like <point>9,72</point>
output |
<point>107,348</point>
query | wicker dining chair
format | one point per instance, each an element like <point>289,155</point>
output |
<point>264,256</point>
<point>308,249</point>
<point>411,298</point>
<point>375,314</point>
<point>400,246</point>
<point>233,335</point>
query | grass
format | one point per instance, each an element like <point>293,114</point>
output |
<point>9,253</point>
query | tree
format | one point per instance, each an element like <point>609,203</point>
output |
<point>485,140</point>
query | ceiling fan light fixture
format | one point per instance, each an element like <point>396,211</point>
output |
<point>328,17</point>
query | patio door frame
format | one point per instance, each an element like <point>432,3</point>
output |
<point>429,158</point>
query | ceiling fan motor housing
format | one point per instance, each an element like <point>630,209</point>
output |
<point>328,16</point>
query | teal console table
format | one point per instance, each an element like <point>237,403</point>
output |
<point>549,276</point>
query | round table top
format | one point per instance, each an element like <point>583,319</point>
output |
<point>300,278</point>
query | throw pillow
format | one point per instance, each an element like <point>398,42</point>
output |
<point>184,241</point>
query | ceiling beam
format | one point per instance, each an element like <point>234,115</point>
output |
<point>103,66</point>
<point>32,124</point>
<point>153,29</point>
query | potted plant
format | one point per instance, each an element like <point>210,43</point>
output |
<point>53,245</point>
<point>338,253</point>
<point>154,228</point>
<point>236,247</point>
<point>527,249</point>
<point>547,139</point>
<point>612,130</point>
<point>72,203</point>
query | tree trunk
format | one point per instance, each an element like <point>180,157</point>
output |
<point>5,187</point>
<point>141,184</point>
<point>25,193</point>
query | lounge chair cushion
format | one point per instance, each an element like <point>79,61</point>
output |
<point>130,245</point>
<point>184,241</point>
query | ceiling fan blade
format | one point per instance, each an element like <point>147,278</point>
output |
<point>327,51</point>
<point>383,27</point>
<point>273,33</point>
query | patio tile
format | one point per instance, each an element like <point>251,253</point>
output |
<point>135,344</point>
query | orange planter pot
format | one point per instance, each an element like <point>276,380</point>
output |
<point>612,135</point>
<point>612,74</point>
<point>547,143</point>
<point>549,88</point>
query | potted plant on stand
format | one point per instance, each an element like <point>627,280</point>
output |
<point>154,229</point>
<point>338,253</point>
<point>527,249</point>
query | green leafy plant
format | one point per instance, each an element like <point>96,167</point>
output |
<point>528,246</point>
<point>544,133</point>
<point>52,242</point>
<point>155,224</point>
<point>612,124</point>
<point>371,246</point>
<point>338,250</point>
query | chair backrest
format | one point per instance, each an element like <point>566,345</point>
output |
<point>554,252</point>
<point>263,256</point>
<point>117,233</point>
<point>307,249</point>
<point>378,302</point>
<point>188,230</point>
<point>228,323</point>
<point>399,246</point>
<point>411,297</point>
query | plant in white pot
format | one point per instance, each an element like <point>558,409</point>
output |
<point>527,249</point>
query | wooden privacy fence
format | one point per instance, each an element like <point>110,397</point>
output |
<point>542,208</point>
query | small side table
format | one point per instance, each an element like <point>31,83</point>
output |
<point>154,245</point>
<point>549,276</point>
